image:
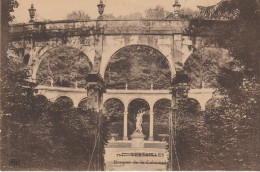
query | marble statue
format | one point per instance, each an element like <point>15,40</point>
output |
<point>139,121</point>
<point>51,81</point>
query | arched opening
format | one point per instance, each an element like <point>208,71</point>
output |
<point>84,104</point>
<point>64,102</point>
<point>138,67</point>
<point>204,65</point>
<point>65,67</point>
<point>190,106</point>
<point>40,99</point>
<point>162,109</point>
<point>26,59</point>
<point>134,107</point>
<point>114,110</point>
<point>213,103</point>
<point>41,102</point>
<point>189,112</point>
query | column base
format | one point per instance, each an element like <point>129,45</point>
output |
<point>125,138</point>
<point>150,138</point>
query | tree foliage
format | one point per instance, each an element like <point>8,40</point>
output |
<point>229,134</point>
<point>10,8</point>
<point>78,15</point>
<point>158,13</point>
<point>204,65</point>
<point>37,134</point>
<point>240,37</point>
<point>162,109</point>
<point>114,110</point>
<point>139,67</point>
<point>132,16</point>
<point>66,66</point>
<point>52,136</point>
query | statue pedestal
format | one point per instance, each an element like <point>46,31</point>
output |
<point>137,140</point>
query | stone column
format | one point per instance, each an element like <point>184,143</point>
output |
<point>125,125</point>
<point>151,125</point>
<point>98,37</point>
<point>177,53</point>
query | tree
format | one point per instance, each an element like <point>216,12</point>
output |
<point>114,110</point>
<point>188,13</point>
<point>204,65</point>
<point>158,13</point>
<point>7,8</point>
<point>39,18</point>
<point>233,126</point>
<point>109,17</point>
<point>131,16</point>
<point>240,36</point>
<point>32,128</point>
<point>78,15</point>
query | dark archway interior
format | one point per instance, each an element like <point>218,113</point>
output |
<point>114,109</point>
<point>64,102</point>
<point>191,106</point>
<point>161,108</point>
<point>133,108</point>
<point>67,67</point>
<point>140,67</point>
<point>26,59</point>
<point>204,64</point>
<point>84,104</point>
<point>41,103</point>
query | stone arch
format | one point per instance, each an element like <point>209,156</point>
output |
<point>203,65</point>
<point>224,51</point>
<point>40,99</point>
<point>160,98</point>
<point>38,52</point>
<point>107,57</point>
<point>82,98</point>
<point>213,102</point>
<point>67,97</point>
<point>161,109</point>
<point>40,103</point>
<point>81,101</point>
<point>133,107</point>
<point>149,103</point>
<point>196,102</point>
<point>46,53</point>
<point>41,95</point>
<point>116,97</point>
<point>114,109</point>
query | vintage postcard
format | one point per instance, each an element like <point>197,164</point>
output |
<point>130,85</point>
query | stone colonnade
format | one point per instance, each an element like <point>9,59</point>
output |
<point>125,137</point>
<point>127,96</point>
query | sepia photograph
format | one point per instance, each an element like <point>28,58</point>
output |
<point>130,85</point>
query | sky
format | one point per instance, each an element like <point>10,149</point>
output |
<point>57,9</point>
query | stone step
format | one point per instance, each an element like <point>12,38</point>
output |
<point>127,144</point>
